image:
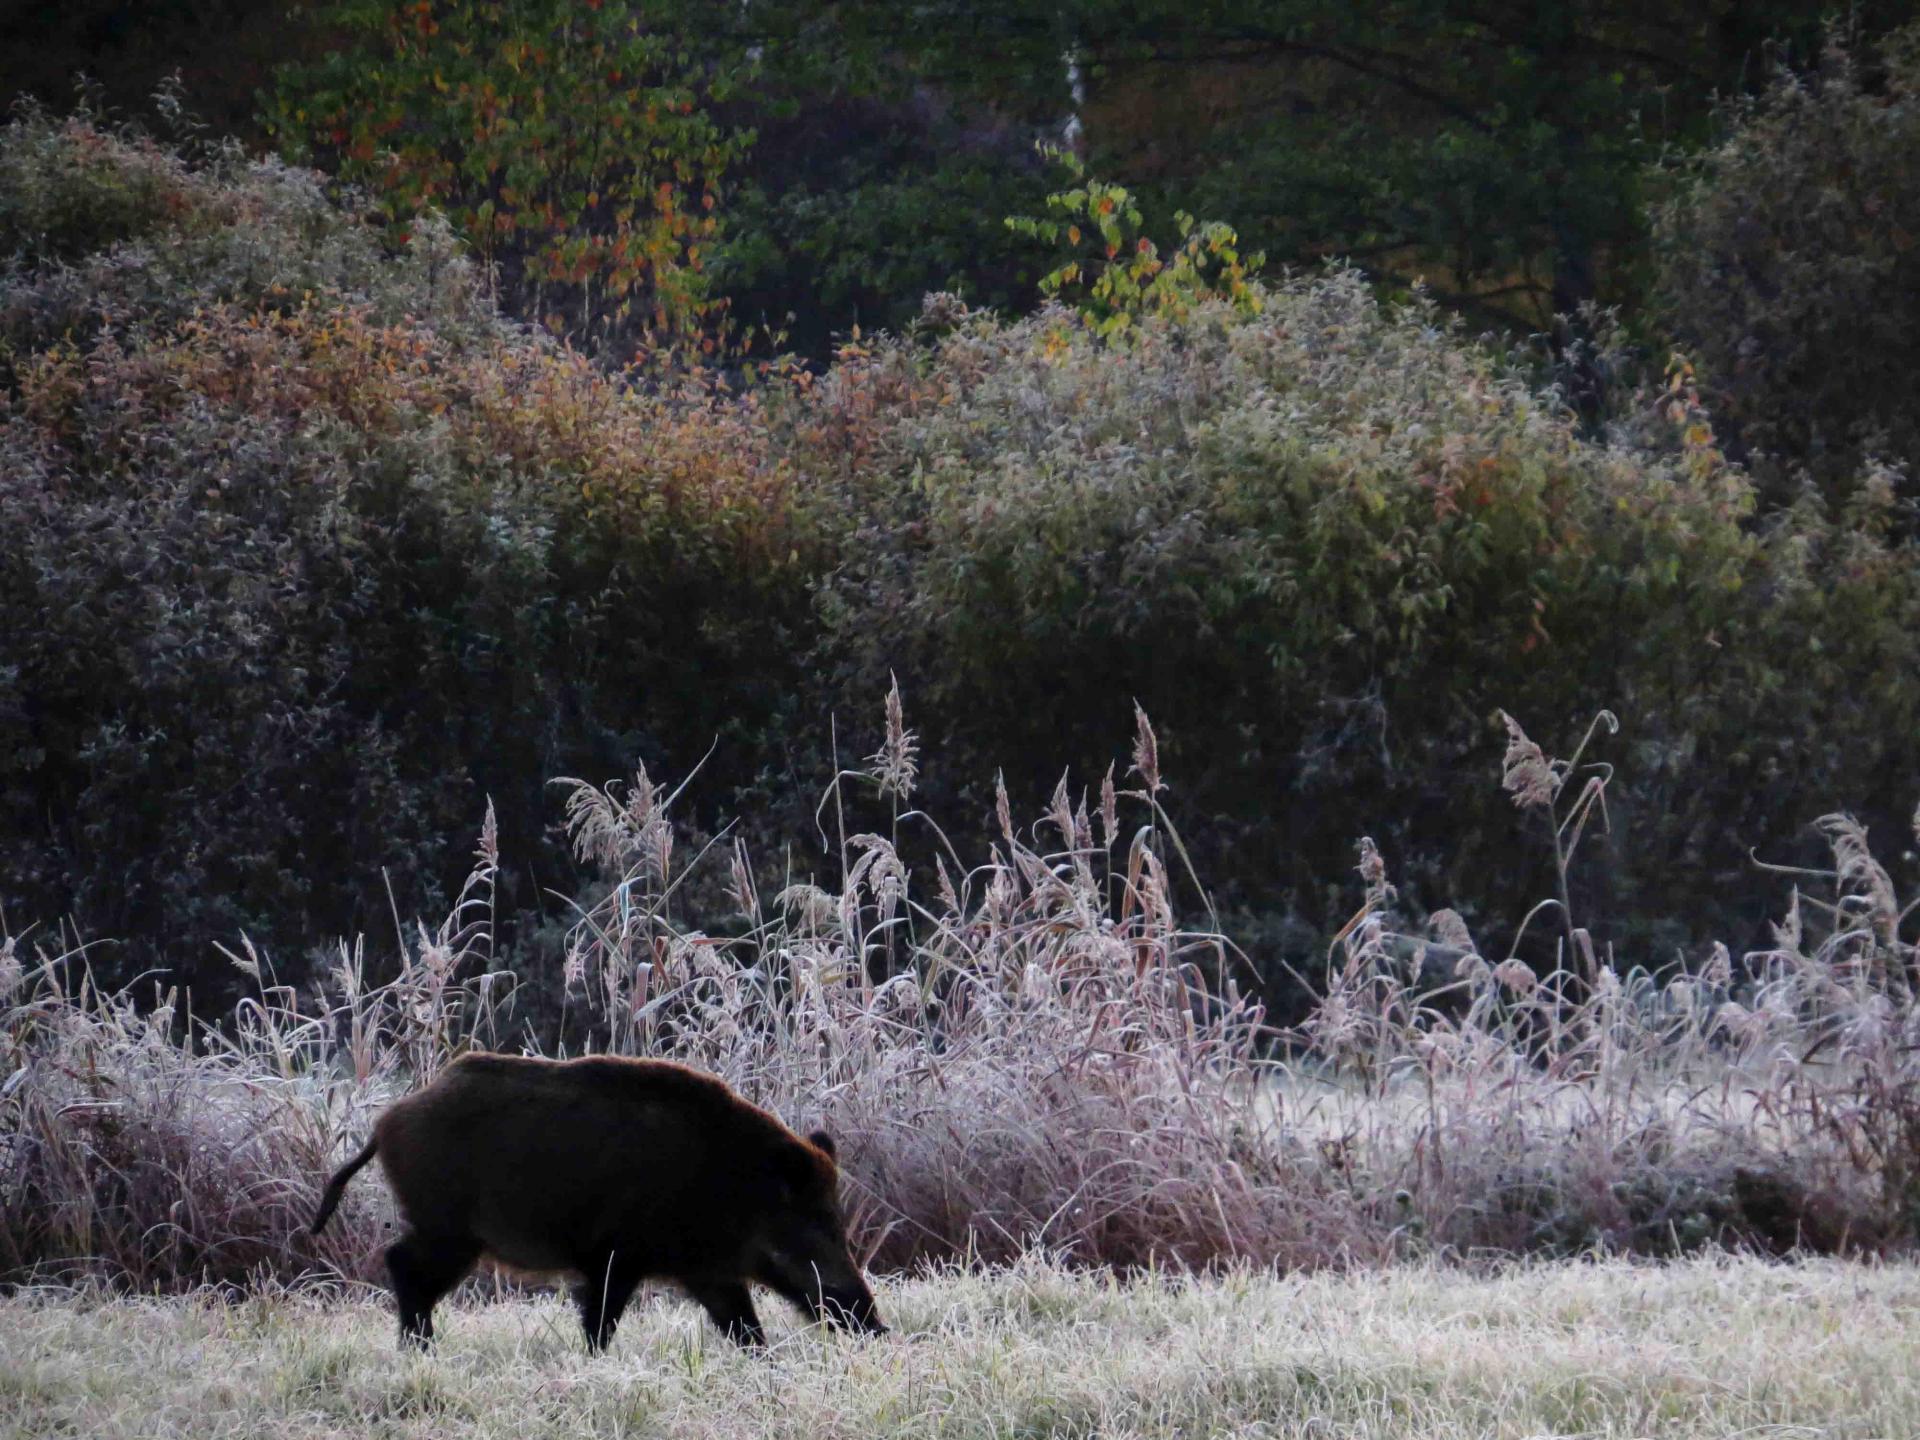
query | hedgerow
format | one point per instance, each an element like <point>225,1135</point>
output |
<point>312,552</point>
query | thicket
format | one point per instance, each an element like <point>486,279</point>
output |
<point>1322,544</point>
<point>1788,266</point>
<point>312,552</point>
<point>307,552</point>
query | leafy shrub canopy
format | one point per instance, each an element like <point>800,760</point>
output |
<point>307,550</point>
<point>1322,544</point>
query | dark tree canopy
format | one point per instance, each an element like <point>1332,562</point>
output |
<point>1789,267</point>
<point>1497,151</point>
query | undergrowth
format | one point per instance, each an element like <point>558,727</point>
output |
<point>1029,1050</point>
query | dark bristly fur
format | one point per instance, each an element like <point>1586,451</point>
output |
<point>615,1171</point>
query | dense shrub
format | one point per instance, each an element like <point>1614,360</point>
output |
<point>309,551</point>
<point>1321,544</point>
<point>1789,267</point>
<point>68,189</point>
<point>306,551</point>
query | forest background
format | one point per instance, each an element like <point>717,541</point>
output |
<point>584,404</point>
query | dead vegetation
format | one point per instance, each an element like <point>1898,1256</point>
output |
<point>1029,1051</point>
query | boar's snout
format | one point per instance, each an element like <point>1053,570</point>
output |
<point>804,1255</point>
<point>840,1296</point>
<point>853,1310</point>
<point>827,1286</point>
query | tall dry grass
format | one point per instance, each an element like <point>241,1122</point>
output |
<point>1026,1052</point>
<point>1767,1101</point>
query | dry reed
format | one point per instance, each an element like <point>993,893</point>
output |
<point>1030,1053</point>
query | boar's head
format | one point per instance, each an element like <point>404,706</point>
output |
<point>802,1253</point>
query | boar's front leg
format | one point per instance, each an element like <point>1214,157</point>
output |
<point>602,1298</point>
<point>731,1308</point>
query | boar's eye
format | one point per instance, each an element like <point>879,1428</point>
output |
<point>797,1175</point>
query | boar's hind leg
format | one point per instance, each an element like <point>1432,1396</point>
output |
<point>423,1269</point>
<point>731,1308</point>
<point>602,1298</point>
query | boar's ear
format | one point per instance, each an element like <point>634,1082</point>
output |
<point>823,1142</point>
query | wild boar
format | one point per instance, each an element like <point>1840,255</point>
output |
<point>614,1171</point>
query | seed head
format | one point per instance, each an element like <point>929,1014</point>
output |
<point>896,763</point>
<point>1516,975</point>
<point>1451,930</point>
<point>1146,751</point>
<point>1525,773</point>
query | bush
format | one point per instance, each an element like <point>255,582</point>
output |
<point>1114,274</point>
<point>1321,544</point>
<point>308,551</point>
<point>1788,268</point>
<point>70,188</point>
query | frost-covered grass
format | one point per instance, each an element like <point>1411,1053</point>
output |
<point>1703,1348</point>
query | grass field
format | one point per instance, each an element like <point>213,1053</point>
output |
<point>1705,1348</point>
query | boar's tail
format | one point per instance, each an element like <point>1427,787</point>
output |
<point>337,1186</point>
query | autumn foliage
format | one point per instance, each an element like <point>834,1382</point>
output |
<point>573,147</point>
